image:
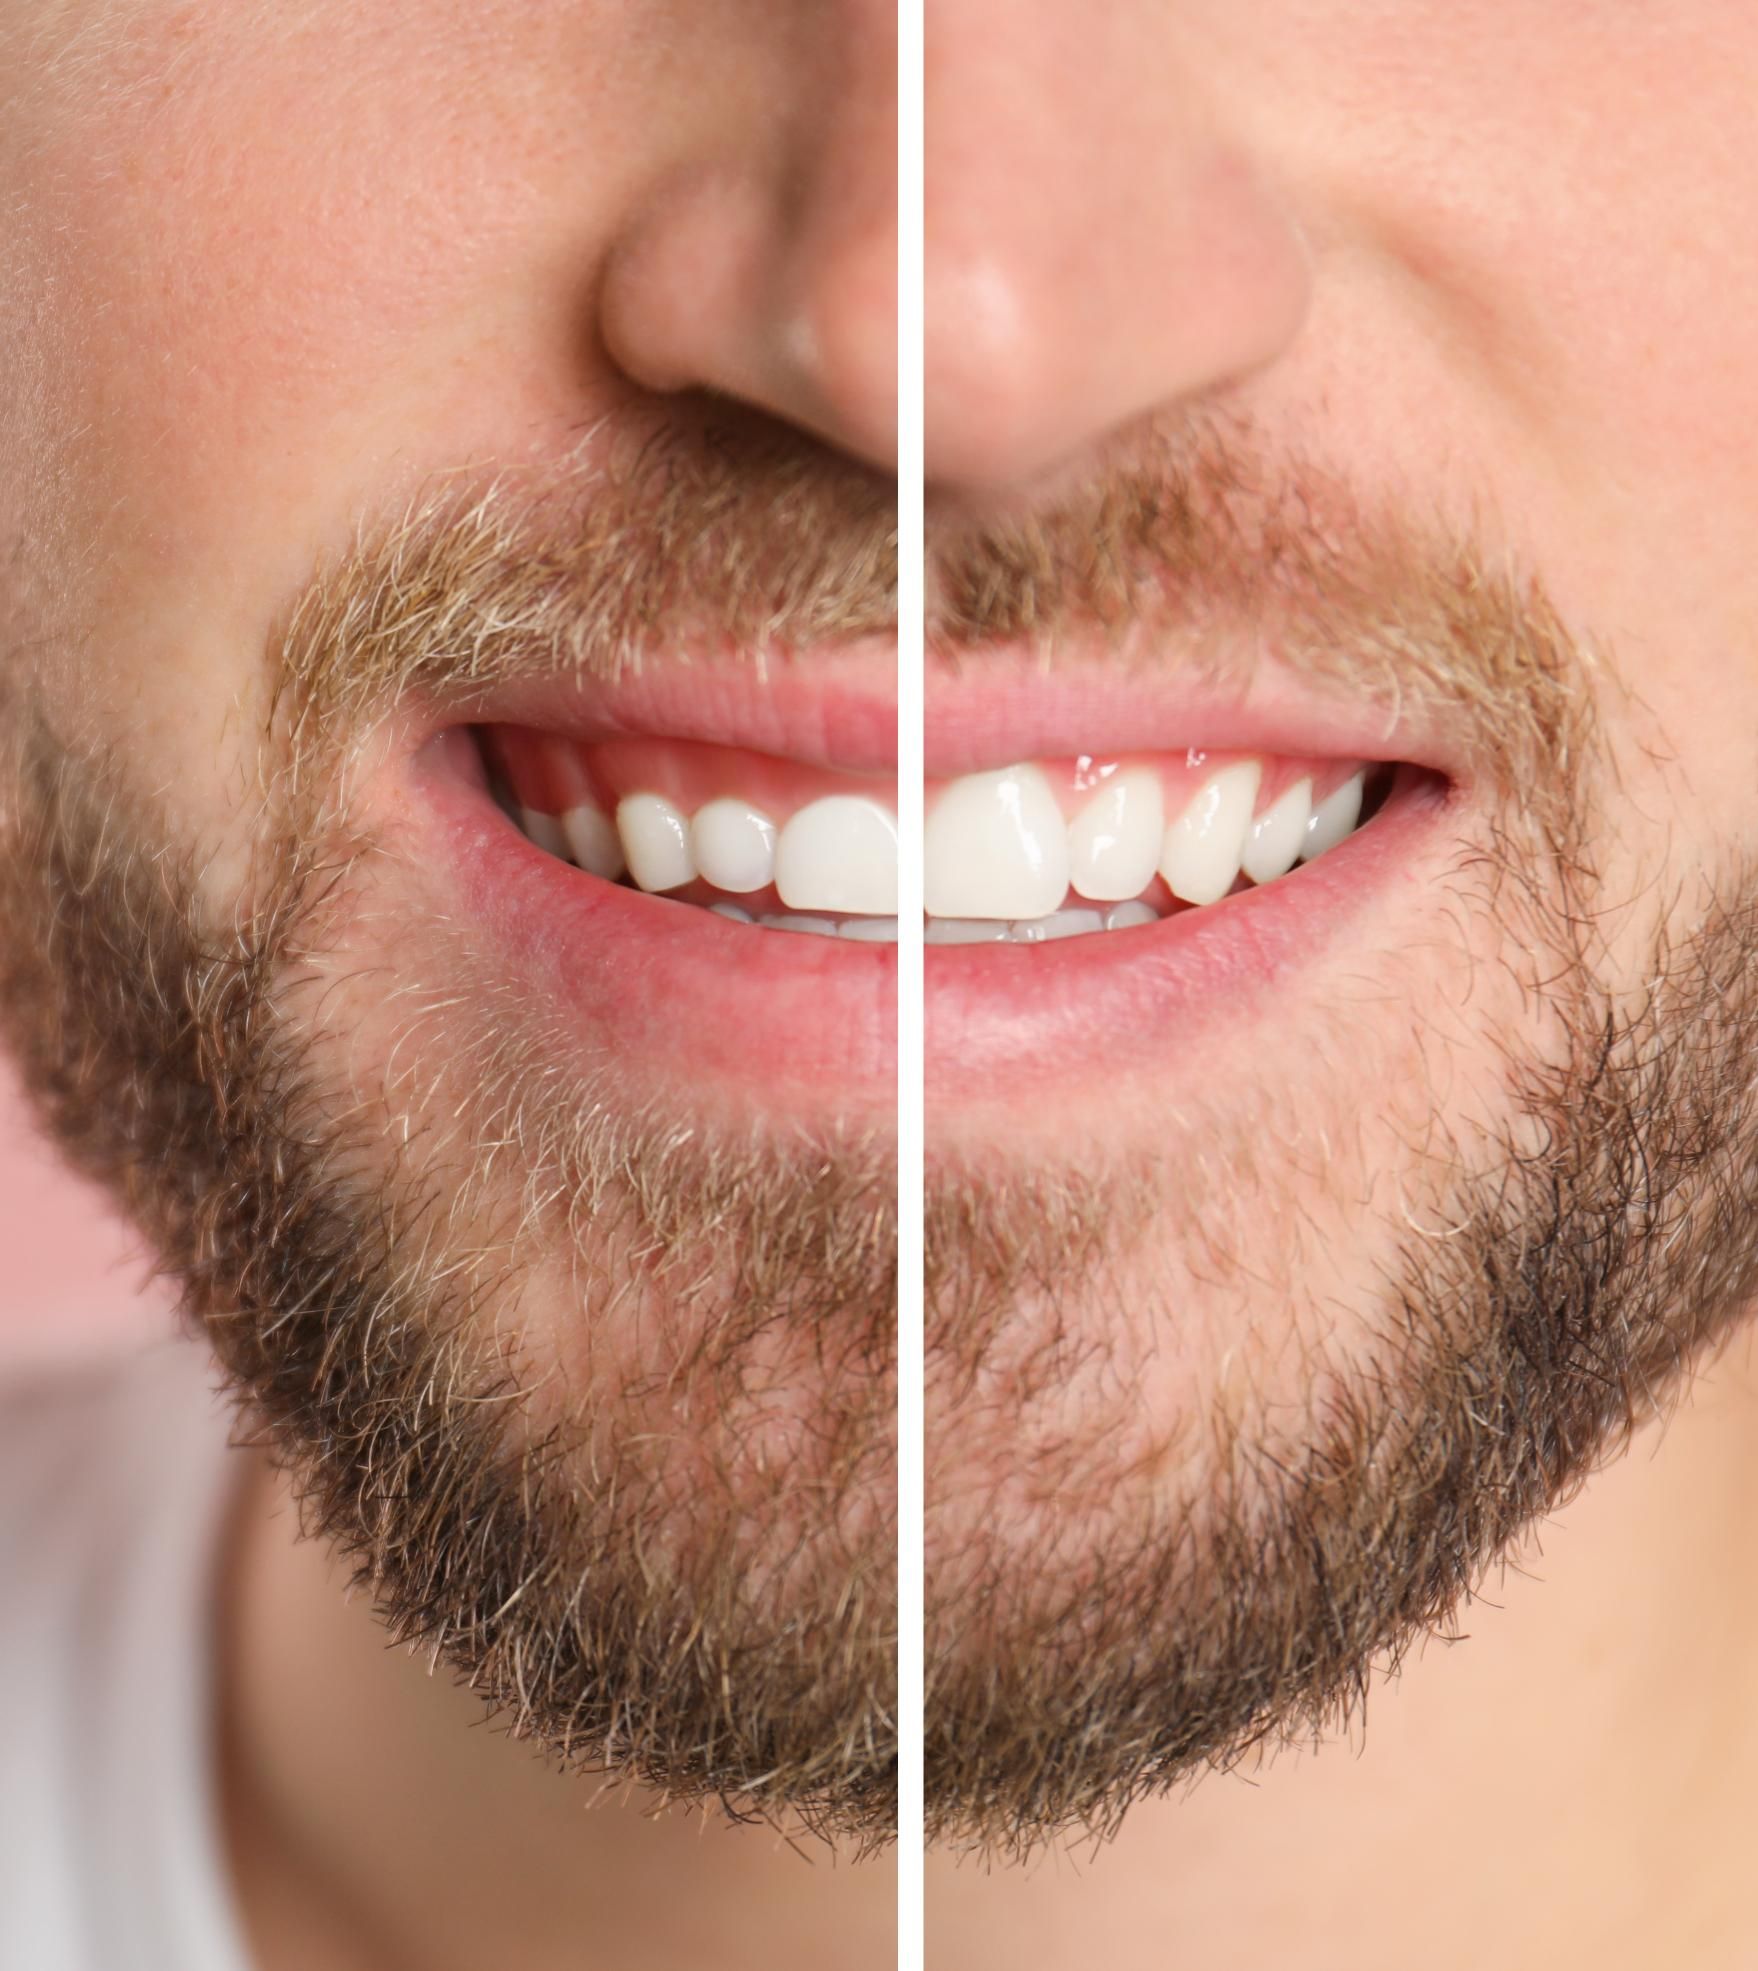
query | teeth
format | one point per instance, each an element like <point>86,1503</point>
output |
<point>1335,818</point>
<point>733,845</point>
<point>839,854</point>
<point>593,842</point>
<point>656,841</point>
<point>1114,842</point>
<point>1204,845</point>
<point>1003,863</point>
<point>1274,843</point>
<point>996,845</point>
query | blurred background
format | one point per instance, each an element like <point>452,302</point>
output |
<point>74,1278</point>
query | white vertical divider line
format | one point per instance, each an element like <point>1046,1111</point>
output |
<point>911,608</point>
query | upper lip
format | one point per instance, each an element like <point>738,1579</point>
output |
<point>1005,704</point>
<point>833,708</point>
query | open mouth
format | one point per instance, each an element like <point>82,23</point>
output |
<point>698,877</point>
<point>1029,853</point>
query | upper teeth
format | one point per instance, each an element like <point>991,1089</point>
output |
<point>998,846</point>
<point>1000,850</point>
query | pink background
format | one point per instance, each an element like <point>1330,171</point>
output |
<point>74,1278</point>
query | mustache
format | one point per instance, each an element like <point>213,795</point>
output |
<point>1193,541</point>
<point>710,532</point>
<point>1196,542</point>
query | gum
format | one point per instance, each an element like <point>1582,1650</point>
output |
<point>551,775</point>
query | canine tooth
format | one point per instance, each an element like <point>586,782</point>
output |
<point>1273,846</point>
<point>1334,817</point>
<point>869,930</point>
<point>656,841</point>
<point>733,846</point>
<point>839,853</point>
<point>1203,846</point>
<point>787,920</point>
<point>1114,842</point>
<point>996,846</point>
<point>545,830</point>
<point>593,843</point>
<point>1126,916</point>
<point>964,930</point>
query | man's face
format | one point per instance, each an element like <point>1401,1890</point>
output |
<point>416,413</point>
<point>1317,388</point>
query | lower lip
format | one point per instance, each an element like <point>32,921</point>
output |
<point>1003,1019</point>
<point>660,993</point>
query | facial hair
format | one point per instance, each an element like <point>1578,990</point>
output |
<point>1382,1387</point>
<point>670,1555</point>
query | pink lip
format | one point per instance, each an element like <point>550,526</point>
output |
<point>1000,706</point>
<point>834,709</point>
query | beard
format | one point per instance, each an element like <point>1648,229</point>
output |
<point>1235,1398</point>
<point>596,1390</point>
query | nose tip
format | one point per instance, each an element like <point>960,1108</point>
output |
<point>1097,250</point>
<point>729,284</point>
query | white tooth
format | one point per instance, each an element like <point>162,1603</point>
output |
<point>593,843</point>
<point>1126,916</point>
<point>1203,846</point>
<point>1114,842</point>
<point>822,927</point>
<point>545,830</point>
<point>1273,846</point>
<point>839,853</point>
<point>733,846</point>
<point>1334,817</point>
<point>869,930</point>
<point>731,911</point>
<point>964,930</point>
<point>996,846</point>
<point>1059,924</point>
<point>656,841</point>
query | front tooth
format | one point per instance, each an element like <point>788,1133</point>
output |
<point>1335,817</point>
<point>1114,842</point>
<point>545,830</point>
<point>656,841</point>
<point>733,846</point>
<point>996,846</point>
<point>839,853</point>
<point>869,930</point>
<point>1203,846</point>
<point>593,843</point>
<point>1273,846</point>
<point>1129,916</point>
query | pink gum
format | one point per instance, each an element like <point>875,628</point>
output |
<point>550,775</point>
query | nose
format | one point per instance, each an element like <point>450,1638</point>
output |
<point>766,269</point>
<point>1101,241</point>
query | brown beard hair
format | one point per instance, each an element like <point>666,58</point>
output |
<point>1598,1249</point>
<point>681,1610</point>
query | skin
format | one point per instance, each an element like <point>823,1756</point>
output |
<point>1474,263</point>
<point>267,269</point>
